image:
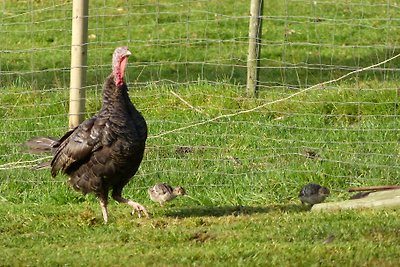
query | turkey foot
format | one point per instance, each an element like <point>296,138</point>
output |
<point>136,206</point>
<point>139,208</point>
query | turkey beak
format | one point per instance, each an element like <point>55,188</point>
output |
<point>128,53</point>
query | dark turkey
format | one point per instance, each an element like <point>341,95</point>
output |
<point>103,152</point>
<point>313,194</point>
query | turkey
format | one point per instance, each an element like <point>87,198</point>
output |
<point>313,194</point>
<point>163,192</point>
<point>103,152</point>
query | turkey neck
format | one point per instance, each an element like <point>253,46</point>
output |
<point>121,113</point>
<point>116,100</point>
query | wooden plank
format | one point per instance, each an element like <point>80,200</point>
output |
<point>382,199</point>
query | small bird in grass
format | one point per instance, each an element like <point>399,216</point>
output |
<point>313,194</point>
<point>163,192</point>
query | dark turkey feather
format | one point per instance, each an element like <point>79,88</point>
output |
<point>40,144</point>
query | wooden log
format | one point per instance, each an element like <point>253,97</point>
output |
<point>374,188</point>
<point>382,199</point>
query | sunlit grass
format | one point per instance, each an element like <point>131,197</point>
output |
<point>252,236</point>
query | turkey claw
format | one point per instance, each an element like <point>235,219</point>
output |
<point>140,209</point>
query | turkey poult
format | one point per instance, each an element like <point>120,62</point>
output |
<point>313,194</point>
<point>162,193</point>
<point>103,152</point>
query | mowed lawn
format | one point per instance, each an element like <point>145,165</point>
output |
<point>242,160</point>
<point>182,235</point>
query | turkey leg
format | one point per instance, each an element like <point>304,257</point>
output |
<point>103,205</point>
<point>136,206</point>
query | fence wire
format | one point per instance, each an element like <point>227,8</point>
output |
<point>179,45</point>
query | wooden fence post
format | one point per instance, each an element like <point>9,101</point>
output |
<point>253,57</point>
<point>80,12</point>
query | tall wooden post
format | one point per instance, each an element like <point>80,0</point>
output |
<point>80,12</point>
<point>253,57</point>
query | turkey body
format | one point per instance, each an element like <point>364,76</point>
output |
<point>103,152</point>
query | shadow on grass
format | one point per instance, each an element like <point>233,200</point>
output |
<point>219,211</point>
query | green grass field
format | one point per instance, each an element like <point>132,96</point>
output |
<point>243,170</point>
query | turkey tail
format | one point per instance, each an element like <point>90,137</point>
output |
<point>42,165</point>
<point>41,144</point>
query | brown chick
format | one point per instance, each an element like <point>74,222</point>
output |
<point>163,192</point>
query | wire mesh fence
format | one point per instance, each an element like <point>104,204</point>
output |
<point>189,59</point>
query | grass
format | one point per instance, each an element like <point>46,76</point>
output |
<point>246,209</point>
<point>180,236</point>
<point>244,172</point>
